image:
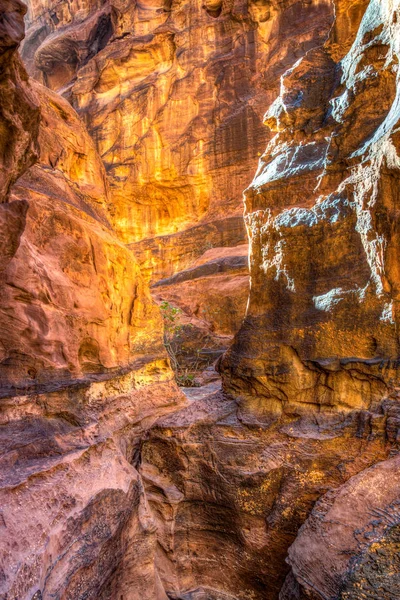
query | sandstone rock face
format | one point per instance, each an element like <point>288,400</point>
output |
<point>19,111</point>
<point>229,493</point>
<point>321,328</point>
<point>173,94</point>
<point>284,485</point>
<point>211,298</point>
<point>320,336</point>
<point>73,302</point>
<point>19,122</point>
<point>83,369</point>
<point>361,522</point>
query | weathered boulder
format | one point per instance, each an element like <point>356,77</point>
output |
<point>321,326</point>
<point>349,546</point>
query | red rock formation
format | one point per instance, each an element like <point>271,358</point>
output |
<point>73,303</point>
<point>18,130</point>
<point>82,366</point>
<point>19,110</point>
<point>361,559</point>
<point>181,88</point>
<point>173,95</point>
<point>100,502</point>
<point>321,213</point>
<point>314,368</point>
<point>229,493</point>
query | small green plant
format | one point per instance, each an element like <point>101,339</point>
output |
<point>170,316</point>
<point>172,333</point>
<point>186,379</point>
<point>172,328</point>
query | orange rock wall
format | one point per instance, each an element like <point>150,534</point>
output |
<point>83,369</point>
<point>321,327</point>
<point>173,96</point>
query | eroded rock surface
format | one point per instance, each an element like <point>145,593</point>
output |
<point>354,532</point>
<point>82,365</point>
<point>229,493</point>
<point>173,94</point>
<point>18,105</point>
<point>285,485</point>
<point>321,327</point>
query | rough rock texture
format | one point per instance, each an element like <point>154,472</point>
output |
<point>320,337</point>
<point>19,122</point>
<point>229,493</point>
<point>321,327</point>
<point>19,111</point>
<point>286,484</point>
<point>361,559</point>
<point>83,369</point>
<point>173,94</point>
<point>73,303</point>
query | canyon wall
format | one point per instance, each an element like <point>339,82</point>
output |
<point>322,221</point>
<point>285,485</point>
<point>173,95</point>
<point>83,368</point>
<point>288,486</point>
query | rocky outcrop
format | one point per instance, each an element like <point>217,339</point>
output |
<point>173,95</point>
<point>73,303</point>
<point>321,327</point>
<point>211,300</point>
<point>229,493</point>
<point>361,522</point>
<point>314,368</point>
<point>319,341</point>
<point>19,122</point>
<point>83,369</point>
<point>19,111</point>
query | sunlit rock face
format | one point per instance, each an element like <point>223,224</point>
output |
<point>321,328</point>
<point>288,487</point>
<point>173,95</point>
<point>73,304</point>
<point>83,369</point>
<point>269,492</point>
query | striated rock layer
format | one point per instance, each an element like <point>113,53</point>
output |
<point>173,94</point>
<point>83,369</point>
<point>286,484</point>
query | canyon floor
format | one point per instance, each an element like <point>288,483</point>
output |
<point>199,324</point>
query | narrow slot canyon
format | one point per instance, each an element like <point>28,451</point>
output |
<point>199,264</point>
